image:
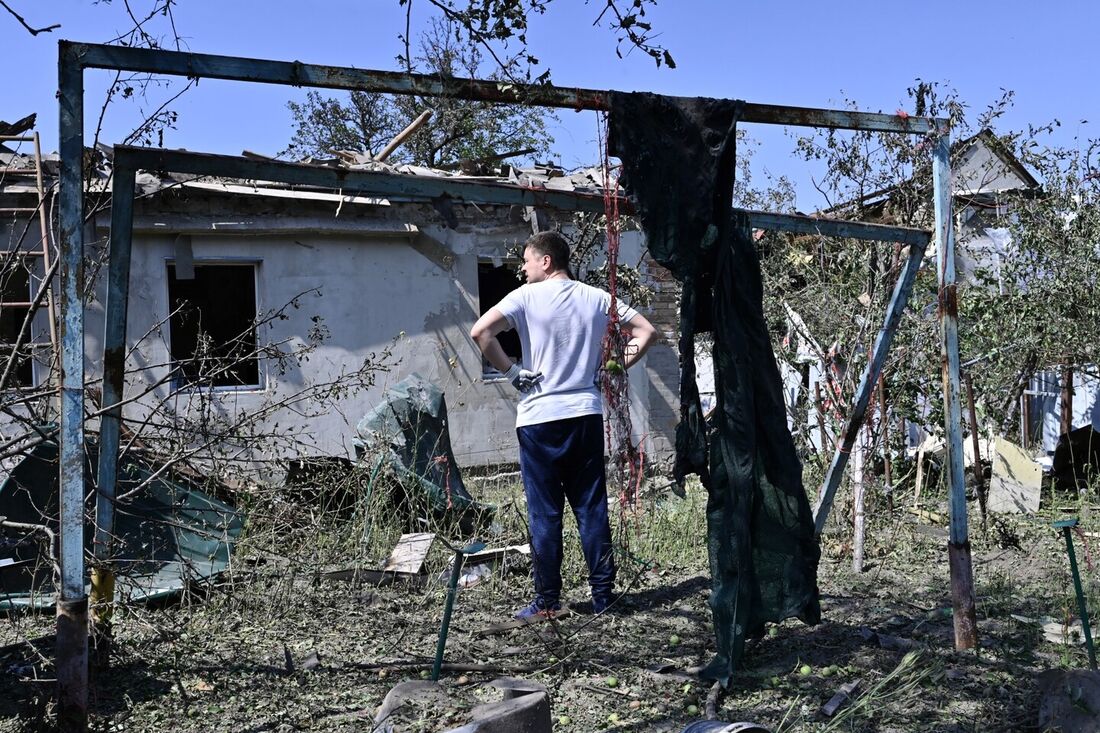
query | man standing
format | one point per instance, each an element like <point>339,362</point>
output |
<point>559,421</point>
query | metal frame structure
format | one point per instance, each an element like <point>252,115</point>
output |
<point>75,58</point>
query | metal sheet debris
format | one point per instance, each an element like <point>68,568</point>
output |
<point>168,532</point>
<point>1016,482</point>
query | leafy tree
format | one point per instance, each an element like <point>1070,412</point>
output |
<point>1038,308</point>
<point>458,130</point>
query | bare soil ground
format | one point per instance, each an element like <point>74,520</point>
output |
<point>237,658</point>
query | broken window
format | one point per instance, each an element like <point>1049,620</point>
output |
<point>15,297</point>
<point>213,326</point>
<point>494,281</point>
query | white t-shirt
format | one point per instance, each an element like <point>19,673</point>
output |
<point>561,325</point>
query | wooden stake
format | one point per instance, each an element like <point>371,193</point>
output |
<point>824,449</point>
<point>920,478</point>
<point>859,525</point>
<point>404,134</point>
<point>886,460</point>
<point>1066,422</point>
<point>979,478</point>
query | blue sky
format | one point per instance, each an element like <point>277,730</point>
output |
<point>814,54</point>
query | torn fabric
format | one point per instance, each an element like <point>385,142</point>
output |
<point>678,160</point>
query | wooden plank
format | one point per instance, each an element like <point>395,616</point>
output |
<point>410,552</point>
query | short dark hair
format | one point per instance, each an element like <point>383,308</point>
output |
<point>554,245</point>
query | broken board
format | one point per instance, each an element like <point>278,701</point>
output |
<point>410,552</point>
<point>520,623</point>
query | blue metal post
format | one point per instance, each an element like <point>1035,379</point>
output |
<point>867,383</point>
<point>962,574</point>
<point>114,366</point>
<point>72,605</point>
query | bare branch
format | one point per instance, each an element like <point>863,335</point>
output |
<point>32,31</point>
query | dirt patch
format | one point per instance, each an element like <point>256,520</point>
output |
<point>274,648</point>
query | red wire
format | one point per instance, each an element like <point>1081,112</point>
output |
<point>628,458</point>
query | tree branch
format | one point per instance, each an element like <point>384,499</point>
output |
<point>32,31</point>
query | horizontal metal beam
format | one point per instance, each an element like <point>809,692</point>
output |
<point>801,224</point>
<point>367,182</point>
<point>377,183</point>
<point>296,73</point>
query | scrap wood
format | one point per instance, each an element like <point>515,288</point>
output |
<point>410,552</point>
<point>379,578</point>
<point>520,623</point>
<point>843,695</point>
<point>925,514</point>
<point>711,708</point>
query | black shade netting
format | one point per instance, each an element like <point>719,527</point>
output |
<point>678,160</point>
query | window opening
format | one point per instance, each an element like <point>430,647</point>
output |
<point>493,283</point>
<point>15,303</point>
<point>213,326</point>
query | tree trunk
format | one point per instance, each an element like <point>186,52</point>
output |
<point>1066,423</point>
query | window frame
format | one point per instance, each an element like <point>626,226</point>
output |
<point>179,385</point>
<point>490,373</point>
<point>30,346</point>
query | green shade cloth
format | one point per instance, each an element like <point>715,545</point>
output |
<point>678,160</point>
<point>168,533</point>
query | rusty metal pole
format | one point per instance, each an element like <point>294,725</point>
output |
<point>958,549</point>
<point>72,603</point>
<point>110,422</point>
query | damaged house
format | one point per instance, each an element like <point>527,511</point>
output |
<point>299,306</point>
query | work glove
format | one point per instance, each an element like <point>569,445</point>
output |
<point>523,380</point>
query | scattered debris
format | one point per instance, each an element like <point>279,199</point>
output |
<point>1062,632</point>
<point>525,707</point>
<point>1016,482</point>
<point>843,695</point>
<point>480,565</point>
<point>168,531</point>
<point>408,692</point>
<point>520,623</point>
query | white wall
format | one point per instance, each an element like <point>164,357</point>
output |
<point>418,296</point>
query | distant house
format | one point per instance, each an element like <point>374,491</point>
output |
<point>355,276</point>
<point>986,179</point>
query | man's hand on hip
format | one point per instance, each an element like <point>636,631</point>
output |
<point>523,380</point>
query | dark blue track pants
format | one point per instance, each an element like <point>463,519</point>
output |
<point>563,460</point>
